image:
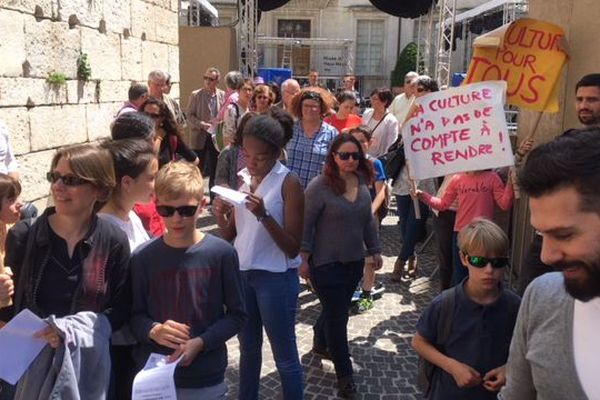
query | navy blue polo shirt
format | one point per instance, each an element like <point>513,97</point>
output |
<point>480,338</point>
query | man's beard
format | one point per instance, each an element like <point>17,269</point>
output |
<point>587,288</point>
<point>592,120</point>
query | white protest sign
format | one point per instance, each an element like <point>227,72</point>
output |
<point>459,129</point>
<point>155,381</point>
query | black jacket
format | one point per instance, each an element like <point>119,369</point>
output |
<point>105,286</point>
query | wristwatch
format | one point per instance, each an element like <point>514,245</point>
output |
<point>264,216</point>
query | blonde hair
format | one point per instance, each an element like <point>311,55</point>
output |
<point>483,235</point>
<point>90,162</point>
<point>179,179</point>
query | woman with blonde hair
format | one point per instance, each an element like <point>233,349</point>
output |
<point>263,98</point>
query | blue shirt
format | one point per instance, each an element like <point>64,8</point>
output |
<point>480,338</point>
<point>306,156</point>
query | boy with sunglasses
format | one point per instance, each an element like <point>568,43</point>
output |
<point>465,332</point>
<point>187,294</point>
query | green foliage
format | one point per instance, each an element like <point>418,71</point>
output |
<point>407,61</point>
<point>56,79</point>
<point>84,70</point>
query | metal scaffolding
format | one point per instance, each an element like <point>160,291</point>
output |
<point>247,38</point>
<point>443,59</point>
<point>424,35</point>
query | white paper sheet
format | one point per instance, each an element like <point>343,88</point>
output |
<point>229,195</point>
<point>155,381</point>
<point>17,345</point>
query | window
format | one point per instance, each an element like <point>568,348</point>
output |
<point>295,57</point>
<point>369,47</point>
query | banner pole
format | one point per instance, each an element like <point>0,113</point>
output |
<point>411,109</point>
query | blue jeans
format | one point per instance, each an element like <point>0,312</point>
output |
<point>413,230</point>
<point>460,271</point>
<point>216,392</point>
<point>271,301</point>
<point>335,283</point>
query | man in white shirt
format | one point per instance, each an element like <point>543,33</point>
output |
<point>555,349</point>
<point>400,105</point>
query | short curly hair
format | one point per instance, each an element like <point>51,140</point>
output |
<point>325,99</point>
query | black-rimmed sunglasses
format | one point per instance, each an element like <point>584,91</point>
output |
<point>183,211</point>
<point>344,155</point>
<point>67,180</point>
<point>481,262</point>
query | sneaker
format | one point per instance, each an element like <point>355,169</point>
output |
<point>365,304</point>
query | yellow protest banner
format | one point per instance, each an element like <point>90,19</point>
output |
<point>529,55</point>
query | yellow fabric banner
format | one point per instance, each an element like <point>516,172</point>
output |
<point>529,55</point>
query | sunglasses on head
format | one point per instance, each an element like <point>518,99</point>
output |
<point>481,262</point>
<point>311,96</point>
<point>343,155</point>
<point>67,180</point>
<point>183,211</point>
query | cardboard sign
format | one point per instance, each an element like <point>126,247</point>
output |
<point>459,129</point>
<point>528,54</point>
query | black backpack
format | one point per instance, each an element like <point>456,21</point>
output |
<point>444,328</point>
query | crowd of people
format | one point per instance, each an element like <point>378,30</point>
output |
<point>119,268</point>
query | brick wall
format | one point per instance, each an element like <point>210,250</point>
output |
<point>123,39</point>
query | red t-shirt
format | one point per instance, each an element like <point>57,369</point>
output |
<point>153,223</point>
<point>352,121</point>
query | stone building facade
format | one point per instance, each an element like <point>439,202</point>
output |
<point>123,41</point>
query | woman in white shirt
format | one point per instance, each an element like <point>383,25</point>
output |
<point>135,168</point>
<point>381,122</point>
<point>267,233</point>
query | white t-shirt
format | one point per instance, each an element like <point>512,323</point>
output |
<point>385,134</point>
<point>134,229</point>
<point>586,345</point>
<point>400,107</point>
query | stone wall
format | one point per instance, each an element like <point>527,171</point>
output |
<point>123,40</point>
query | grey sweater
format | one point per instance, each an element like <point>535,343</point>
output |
<point>541,362</point>
<point>336,229</point>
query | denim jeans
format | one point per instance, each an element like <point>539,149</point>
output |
<point>216,392</point>
<point>271,301</point>
<point>413,230</point>
<point>460,271</point>
<point>335,283</point>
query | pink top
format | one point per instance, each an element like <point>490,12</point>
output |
<point>476,194</point>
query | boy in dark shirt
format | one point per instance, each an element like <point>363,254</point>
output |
<point>470,363</point>
<point>187,296</point>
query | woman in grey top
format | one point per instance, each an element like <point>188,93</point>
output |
<point>338,226</point>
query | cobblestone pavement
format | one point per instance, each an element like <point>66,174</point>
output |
<point>384,363</point>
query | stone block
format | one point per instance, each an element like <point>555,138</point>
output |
<point>175,92</point>
<point>117,14</point>
<point>17,122</point>
<point>154,56</point>
<point>131,59</point>
<point>174,63</point>
<point>114,91</point>
<point>99,118</point>
<point>142,20</point>
<point>104,53</point>
<point>80,92</point>
<point>33,168</point>
<point>12,51</point>
<point>88,12</point>
<point>56,126</point>
<point>31,92</point>
<point>47,8</point>
<point>51,47</point>
<point>166,25</point>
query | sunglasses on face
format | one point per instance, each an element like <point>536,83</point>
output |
<point>346,155</point>
<point>261,97</point>
<point>481,262</point>
<point>183,211</point>
<point>209,78</point>
<point>421,90</point>
<point>67,180</point>
<point>153,116</point>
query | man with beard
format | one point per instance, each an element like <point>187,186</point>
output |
<point>587,106</point>
<point>555,348</point>
<point>587,100</point>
